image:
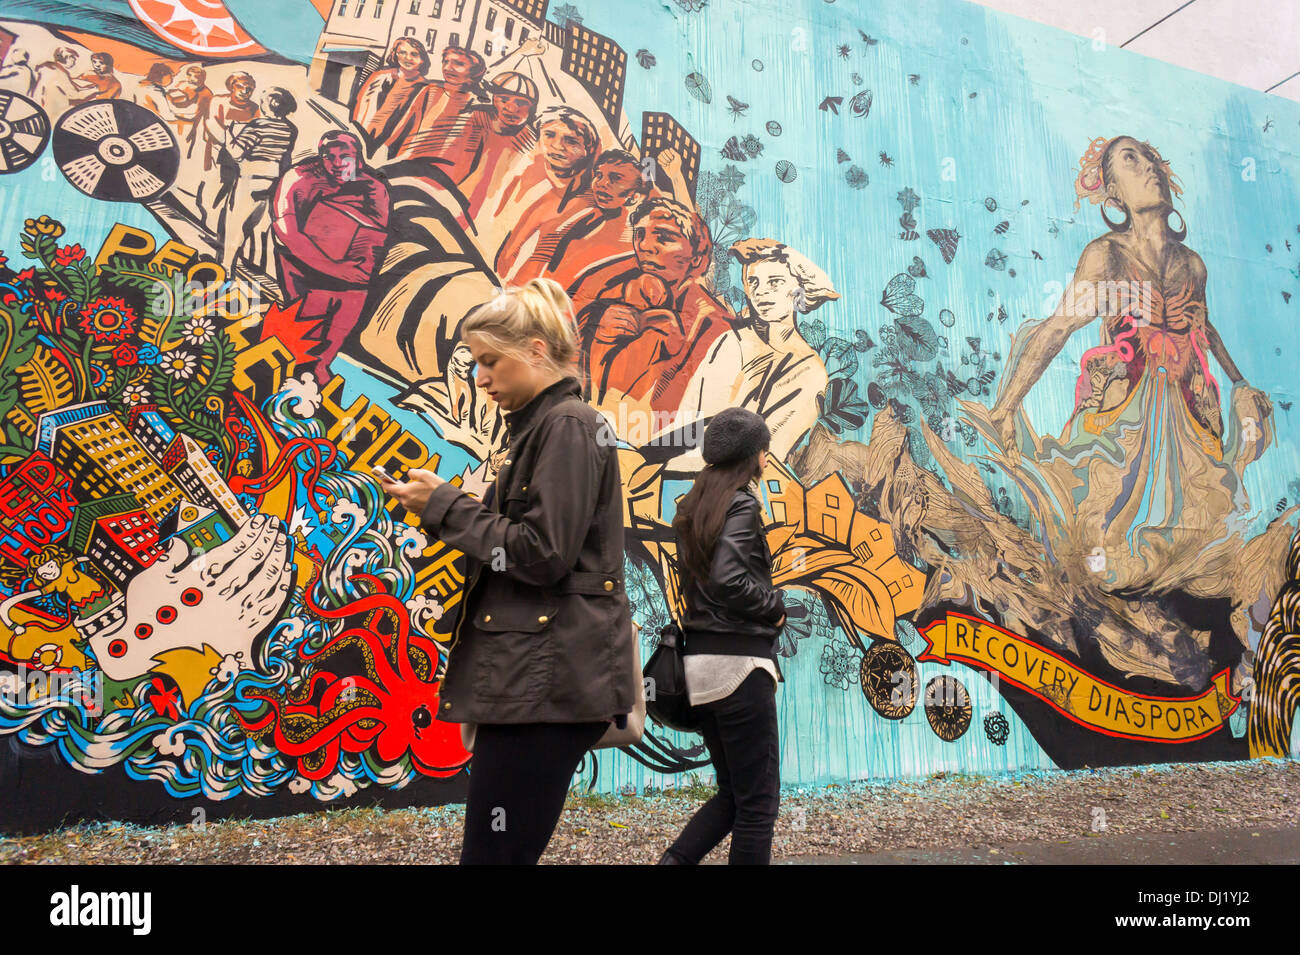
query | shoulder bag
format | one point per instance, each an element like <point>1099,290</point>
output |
<point>667,701</point>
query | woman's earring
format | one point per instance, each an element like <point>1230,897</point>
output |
<point>1121,226</point>
<point>1181,232</point>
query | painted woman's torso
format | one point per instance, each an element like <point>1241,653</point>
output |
<point>1153,322</point>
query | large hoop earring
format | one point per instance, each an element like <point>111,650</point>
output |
<point>1181,232</point>
<point>1121,226</point>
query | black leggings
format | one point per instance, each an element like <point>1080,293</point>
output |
<point>517,783</point>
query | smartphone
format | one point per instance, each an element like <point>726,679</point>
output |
<point>378,469</point>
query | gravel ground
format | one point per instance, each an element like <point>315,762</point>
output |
<point>944,810</point>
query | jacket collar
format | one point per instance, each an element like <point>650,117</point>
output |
<point>519,421</point>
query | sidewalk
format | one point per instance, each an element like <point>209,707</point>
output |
<point>1194,813</point>
<point>1256,846</point>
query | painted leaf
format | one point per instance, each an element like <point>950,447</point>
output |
<point>814,332</point>
<point>840,408</point>
<point>917,339</point>
<point>840,357</point>
<point>900,298</point>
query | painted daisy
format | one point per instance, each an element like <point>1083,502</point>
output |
<point>135,395</point>
<point>197,330</point>
<point>179,364</point>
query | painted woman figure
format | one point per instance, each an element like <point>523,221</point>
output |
<point>152,92</point>
<point>54,570</point>
<point>1144,481</point>
<point>384,98</point>
<point>542,193</point>
<point>764,364</point>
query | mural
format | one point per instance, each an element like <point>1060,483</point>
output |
<point>239,240</point>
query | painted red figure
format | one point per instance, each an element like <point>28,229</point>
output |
<point>330,219</point>
<point>590,234</point>
<point>651,323</point>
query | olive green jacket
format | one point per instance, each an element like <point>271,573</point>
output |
<point>544,630</point>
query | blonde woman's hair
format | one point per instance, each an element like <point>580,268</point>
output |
<point>515,316</point>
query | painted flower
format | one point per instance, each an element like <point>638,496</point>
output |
<point>4,260</point>
<point>43,226</point>
<point>135,395</point>
<point>108,320</point>
<point>54,296</point>
<point>26,274</point>
<point>198,330</point>
<point>69,254</point>
<point>149,355</point>
<point>731,178</point>
<point>179,364</point>
<point>125,355</point>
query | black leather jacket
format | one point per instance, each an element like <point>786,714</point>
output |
<point>544,635</point>
<point>737,610</point>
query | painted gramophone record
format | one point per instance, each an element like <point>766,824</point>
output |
<point>24,132</point>
<point>116,150</point>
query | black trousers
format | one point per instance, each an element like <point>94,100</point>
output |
<point>517,783</point>
<point>740,732</point>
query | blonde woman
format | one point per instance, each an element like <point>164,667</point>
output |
<point>538,657</point>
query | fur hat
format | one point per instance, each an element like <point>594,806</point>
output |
<point>733,435</point>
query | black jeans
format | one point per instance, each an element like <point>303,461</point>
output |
<point>517,783</point>
<point>741,734</point>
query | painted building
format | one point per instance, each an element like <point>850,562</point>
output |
<point>118,535</point>
<point>203,528</point>
<point>101,456</point>
<point>195,474</point>
<point>150,428</point>
<point>1016,307</point>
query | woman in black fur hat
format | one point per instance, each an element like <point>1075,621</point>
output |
<point>733,619</point>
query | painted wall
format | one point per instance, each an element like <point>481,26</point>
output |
<point>1016,306</point>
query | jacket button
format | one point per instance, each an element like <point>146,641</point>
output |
<point>524,488</point>
<point>446,706</point>
<point>609,585</point>
<point>542,619</point>
<point>507,461</point>
<point>487,618</point>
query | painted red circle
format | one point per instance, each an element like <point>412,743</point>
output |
<point>205,27</point>
<point>166,613</point>
<point>192,597</point>
<point>117,648</point>
<point>144,630</point>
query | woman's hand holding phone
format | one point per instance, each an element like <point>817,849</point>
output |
<point>413,493</point>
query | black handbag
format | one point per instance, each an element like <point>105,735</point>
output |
<point>666,700</point>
